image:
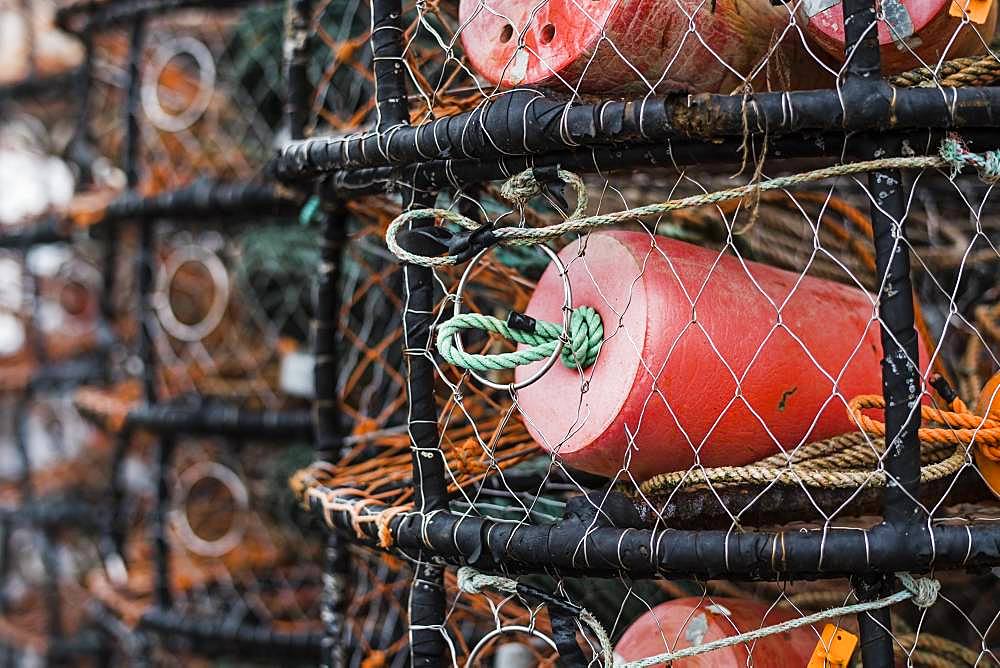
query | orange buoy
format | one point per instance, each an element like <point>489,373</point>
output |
<point>629,45</point>
<point>686,622</point>
<point>913,30</point>
<point>706,358</point>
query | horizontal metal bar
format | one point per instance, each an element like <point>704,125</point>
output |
<point>218,419</point>
<point>47,87</point>
<point>526,122</point>
<point>84,15</point>
<point>217,636</point>
<point>203,198</point>
<point>577,546</point>
<point>435,175</point>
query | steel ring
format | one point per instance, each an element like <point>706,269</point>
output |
<point>220,297</point>
<point>151,104</point>
<point>234,535</point>
<point>505,630</point>
<point>563,336</point>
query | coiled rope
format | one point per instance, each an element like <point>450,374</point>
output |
<point>840,461</point>
<point>586,334</point>
<point>952,153</point>
<point>922,591</point>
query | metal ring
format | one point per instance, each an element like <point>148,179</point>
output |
<point>563,336</point>
<point>234,536</point>
<point>151,104</point>
<point>505,630</point>
<point>220,297</point>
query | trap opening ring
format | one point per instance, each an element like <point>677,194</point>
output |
<point>151,103</point>
<point>237,490</point>
<point>567,311</point>
<point>220,296</point>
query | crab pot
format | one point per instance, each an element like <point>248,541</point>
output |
<point>629,45</point>
<point>913,30</point>
<point>687,622</point>
<point>716,360</point>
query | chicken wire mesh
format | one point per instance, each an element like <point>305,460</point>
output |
<point>636,376</point>
<point>701,386</point>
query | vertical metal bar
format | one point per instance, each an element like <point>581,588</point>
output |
<point>328,421</point>
<point>865,93</point>
<point>298,22</point>
<point>146,346</point>
<point>427,595</point>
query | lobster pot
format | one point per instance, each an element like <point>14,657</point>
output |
<point>629,45</point>
<point>686,622</point>
<point>707,359</point>
<point>913,33</point>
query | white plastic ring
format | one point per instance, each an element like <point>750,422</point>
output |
<point>563,337</point>
<point>151,104</point>
<point>237,490</point>
<point>220,295</point>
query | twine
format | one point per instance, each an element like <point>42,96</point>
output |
<point>952,154</point>
<point>922,591</point>
<point>586,334</point>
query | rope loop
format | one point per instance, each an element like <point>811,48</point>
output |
<point>586,336</point>
<point>525,186</point>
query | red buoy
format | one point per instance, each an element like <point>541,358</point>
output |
<point>913,30</point>
<point>607,47</point>
<point>682,325</point>
<point>687,622</point>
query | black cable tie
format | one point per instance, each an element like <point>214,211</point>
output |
<point>428,241</point>
<point>468,243</point>
<point>521,322</point>
<point>553,186</point>
<point>943,387</point>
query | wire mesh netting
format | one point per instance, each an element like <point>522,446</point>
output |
<point>499,333</point>
<point>685,374</point>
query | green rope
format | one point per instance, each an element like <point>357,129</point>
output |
<point>954,152</point>
<point>586,334</point>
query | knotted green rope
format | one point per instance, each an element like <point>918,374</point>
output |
<point>586,334</point>
<point>954,153</point>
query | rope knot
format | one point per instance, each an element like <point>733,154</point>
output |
<point>924,590</point>
<point>521,188</point>
<point>586,334</point>
<point>954,152</point>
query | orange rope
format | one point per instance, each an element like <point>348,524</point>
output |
<point>962,426</point>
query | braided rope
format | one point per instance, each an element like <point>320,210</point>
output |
<point>842,467</point>
<point>962,427</point>
<point>922,591</point>
<point>970,71</point>
<point>586,334</point>
<point>952,154</point>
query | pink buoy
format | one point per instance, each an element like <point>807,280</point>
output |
<point>607,47</point>
<point>687,622</point>
<point>697,365</point>
<point>913,30</point>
